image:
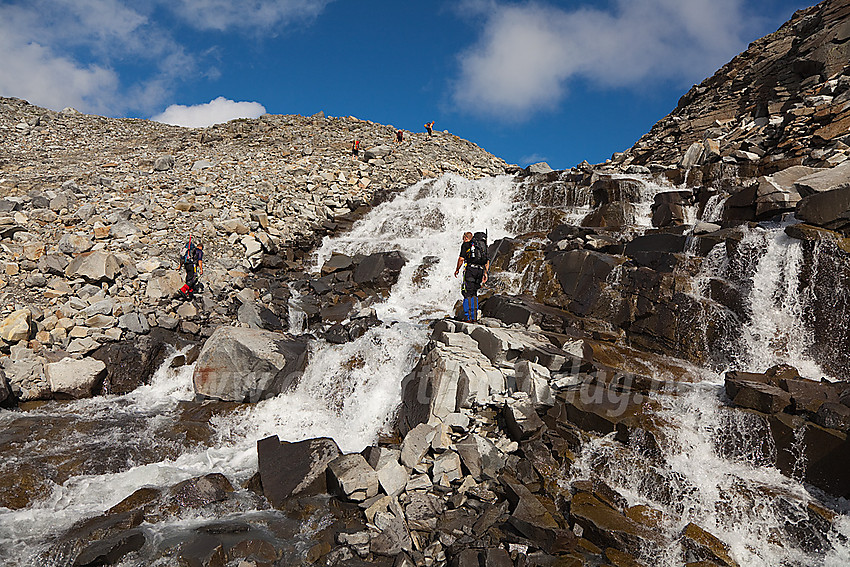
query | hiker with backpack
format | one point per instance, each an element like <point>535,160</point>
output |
<point>192,258</point>
<point>473,252</point>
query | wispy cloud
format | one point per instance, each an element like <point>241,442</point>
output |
<point>111,57</point>
<point>223,15</point>
<point>214,112</point>
<point>527,54</point>
<point>533,158</point>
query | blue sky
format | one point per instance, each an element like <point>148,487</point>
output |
<point>528,81</point>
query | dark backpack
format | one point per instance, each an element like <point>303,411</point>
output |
<point>187,255</point>
<point>478,250</point>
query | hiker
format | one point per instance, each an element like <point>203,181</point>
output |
<point>429,127</point>
<point>473,252</point>
<point>192,258</point>
<point>399,136</point>
<point>355,148</point>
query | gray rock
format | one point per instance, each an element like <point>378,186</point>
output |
<point>829,209</point>
<point>415,444</point>
<point>533,379</point>
<point>392,477</point>
<point>422,511</point>
<point>239,364</point>
<point>5,391</point>
<point>165,285</point>
<point>826,180</point>
<point>393,538</point>
<point>352,477</point>
<point>521,420</point>
<point>163,163</point>
<point>292,469</point>
<point>83,345</point>
<point>73,244</point>
<point>481,457</point>
<point>94,266</point>
<point>446,469</point>
<point>137,323</point>
<point>53,264</point>
<point>59,202</point>
<point>249,314</point>
<point>25,373</point>
<point>102,307</point>
<point>693,156</point>
<point>75,379</point>
<point>541,167</point>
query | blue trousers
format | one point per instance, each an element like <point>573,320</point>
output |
<point>470,308</point>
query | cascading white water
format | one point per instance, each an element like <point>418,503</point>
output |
<point>714,472</point>
<point>766,268</point>
<point>427,221</point>
<point>348,392</point>
<point>649,188</point>
<point>776,332</point>
<point>713,211</point>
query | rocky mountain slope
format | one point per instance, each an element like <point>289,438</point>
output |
<point>591,416</point>
<point>784,101</point>
<point>94,211</point>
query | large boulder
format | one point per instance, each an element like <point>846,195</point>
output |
<point>581,273</point>
<point>129,364</point>
<point>96,266</point>
<point>825,180</point>
<point>240,364</point>
<point>75,379</point>
<point>292,469</point>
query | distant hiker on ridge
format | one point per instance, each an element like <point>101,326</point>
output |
<point>399,136</point>
<point>473,251</point>
<point>355,148</point>
<point>429,127</point>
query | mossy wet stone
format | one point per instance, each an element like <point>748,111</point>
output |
<point>606,526</point>
<point>700,545</point>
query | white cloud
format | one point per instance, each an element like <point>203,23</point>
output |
<point>214,112</point>
<point>253,14</point>
<point>528,53</point>
<point>34,73</point>
<point>60,53</point>
<point>112,57</point>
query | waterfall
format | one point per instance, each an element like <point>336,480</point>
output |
<point>348,392</point>
<point>714,471</point>
<point>776,332</point>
